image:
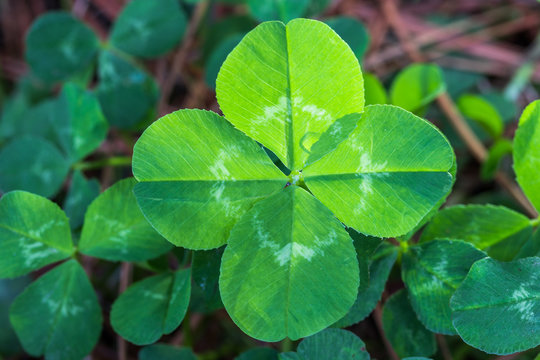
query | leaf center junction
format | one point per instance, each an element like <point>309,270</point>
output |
<point>296,178</point>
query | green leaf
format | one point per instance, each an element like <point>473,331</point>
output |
<point>214,34</point>
<point>165,352</point>
<point>84,77</point>
<point>290,356</point>
<point>218,56</point>
<point>33,89</point>
<point>366,300</point>
<point>149,28</point>
<point>365,247</point>
<point>316,7</point>
<point>115,229</point>
<point>80,194</point>
<point>58,46</point>
<point>484,226</point>
<point>58,315</point>
<point>33,120</point>
<point>406,334</point>
<point>261,353</point>
<point>32,164</point>
<point>209,175</point>
<point>387,175</point>
<point>435,209</point>
<point>416,86</point>
<point>13,110</point>
<point>353,32</point>
<point>9,289</point>
<point>205,291</point>
<point>34,232</point>
<point>500,148</point>
<point>152,307</point>
<point>531,247</point>
<point>481,111</point>
<point>79,126</point>
<point>289,268</point>
<point>497,307</point>
<point>336,344</point>
<point>127,94</point>
<point>285,85</point>
<point>432,272</point>
<point>73,121</point>
<point>284,10</point>
<point>338,132</point>
<point>374,90</point>
<point>506,108</point>
<point>458,81</point>
<point>527,152</point>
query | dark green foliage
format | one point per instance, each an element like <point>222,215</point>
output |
<point>165,352</point>
<point>407,335</point>
<point>59,46</point>
<point>281,219</point>
<point>127,94</point>
<point>152,307</point>
<point>149,28</point>
<point>58,315</point>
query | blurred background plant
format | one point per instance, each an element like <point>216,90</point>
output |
<point>81,79</point>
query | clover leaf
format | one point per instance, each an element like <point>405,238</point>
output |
<point>152,307</point>
<point>497,309</point>
<point>115,229</point>
<point>527,152</point>
<point>204,181</point>
<point>432,271</point>
<point>405,332</point>
<point>58,46</point>
<point>298,254</point>
<point>285,85</point>
<point>34,231</point>
<point>193,167</point>
<point>58,315</point>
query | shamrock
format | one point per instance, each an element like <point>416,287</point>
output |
<point>290,268</point>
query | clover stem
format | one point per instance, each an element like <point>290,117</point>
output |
<point>126,270</point>
<point>443,347</point>
<point>404,246</point>
<point>286,345</point>
<point>377,316</point>
<point>112,161</point>
<point>297,178</point>
<point>186,329</point>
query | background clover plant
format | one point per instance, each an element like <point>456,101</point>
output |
<point>308,212</point>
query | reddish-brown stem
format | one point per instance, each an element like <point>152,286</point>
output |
<point>377,316</point>
<point>125,278</point>
<point>443,347</point>
<point>181,55</point>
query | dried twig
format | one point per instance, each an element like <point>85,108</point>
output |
<point>443,346</point>
<point>80,7</point>
<point>377,316</point>
<point>181,55</point>
<point>125,278</point>
<point>436,35</point>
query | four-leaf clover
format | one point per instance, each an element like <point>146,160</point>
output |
<point>289,268</point>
